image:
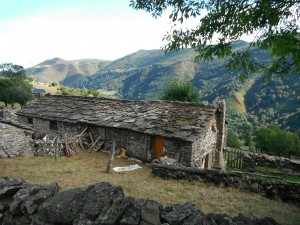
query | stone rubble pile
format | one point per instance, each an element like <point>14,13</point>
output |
<point>22,203</point>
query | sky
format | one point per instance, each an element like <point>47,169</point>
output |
<point>32,31</point>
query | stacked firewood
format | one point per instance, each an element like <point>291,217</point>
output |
<point>67,146</point>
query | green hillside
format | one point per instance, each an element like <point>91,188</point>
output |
<point>144,74</point>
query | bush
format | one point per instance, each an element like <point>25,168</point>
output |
<point>233,139</point>
<point>181,91</point>
<point>273,140</point>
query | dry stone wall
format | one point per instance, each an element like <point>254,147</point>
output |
<point>287,192</point>
<point>15,140</point>
<point>253,159</point>
<point>98,204</point>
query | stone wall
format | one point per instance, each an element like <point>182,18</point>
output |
<point>137,145</point>
<point>286,191</point>
<point>205,144</point>
<point>15,140</point>
<point>253,159</point>
<point>174,148</point>
<point>98,204</point>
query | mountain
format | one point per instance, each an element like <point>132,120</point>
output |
<point>144,74</point>
<point>66,72</point>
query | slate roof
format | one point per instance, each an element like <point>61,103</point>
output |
<point>169,119</point>
<point>38,91</point>
<point>9,122</point>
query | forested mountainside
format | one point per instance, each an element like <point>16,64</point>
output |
<point>144,74</point>
<point>66,72</point>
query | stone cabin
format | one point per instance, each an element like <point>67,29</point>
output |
<point>189,132</point>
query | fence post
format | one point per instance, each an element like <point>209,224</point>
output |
<point>111,157</point>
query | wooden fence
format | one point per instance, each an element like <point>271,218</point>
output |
<point>234,158</point>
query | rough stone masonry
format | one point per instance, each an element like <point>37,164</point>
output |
<point>15,139</point>
<point>98,204</point>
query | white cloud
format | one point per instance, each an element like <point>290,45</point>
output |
<point>69,34</point>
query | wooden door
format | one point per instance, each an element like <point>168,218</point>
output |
<point>158,145</point>
<point>206,161</point>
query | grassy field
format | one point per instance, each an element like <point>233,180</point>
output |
<point>52,89</point>
<point>89,168</point>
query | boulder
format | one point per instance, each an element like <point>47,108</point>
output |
<point>28,199</point>
<point>187,214</point>
<point>143,211</point>
<point>93,203</point>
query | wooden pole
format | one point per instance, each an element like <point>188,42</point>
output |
<point>111,157</point>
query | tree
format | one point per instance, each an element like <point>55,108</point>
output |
<point>14,87</point>
<point>20,95</point>
<point>12,71</point>
<point>5,97</point>
<point>247,134</point>
<point>181,91</point>
<point>274,26</point>
<point>273,140</point>
<point>233,139</point>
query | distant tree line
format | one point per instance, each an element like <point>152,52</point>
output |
<point>78,92</point>
<point>271,140</point>
<point>14,88</point>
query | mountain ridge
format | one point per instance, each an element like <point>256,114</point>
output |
<point>143,75</point>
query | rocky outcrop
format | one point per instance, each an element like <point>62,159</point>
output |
<point>22,203</point>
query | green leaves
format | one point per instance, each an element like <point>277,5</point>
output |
<point>275,141</point>
<point>273,24</point>
<point>13,86</point>
<point>181,91</point>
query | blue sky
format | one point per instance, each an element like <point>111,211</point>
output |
<point>32,31</point>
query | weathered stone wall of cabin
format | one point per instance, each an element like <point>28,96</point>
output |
<point>41,127</point>
<point>221,130</point>
<point>137,145</point>
<point>177,148</point>
<point>205,144</point>
<point>14,141</point>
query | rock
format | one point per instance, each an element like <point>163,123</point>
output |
<point>187,214</point>
<point>94,202</point>
<point>63,207</point>
<point>142,212</point>
<point>150,213</point>
<point>8,187</point>
<point>114,214</point>
<point>287,171</point>
<point>255,187</point>
<point>28,199</point>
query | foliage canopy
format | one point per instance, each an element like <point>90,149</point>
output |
<point>181,91</point>
<point>274,26</point>
<point>233,139</point>
<point>13,86</point>
<point>277,142</point>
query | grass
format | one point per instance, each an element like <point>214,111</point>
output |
<point>89,168</point>
<point>236,101</point>
<point>52,89</point>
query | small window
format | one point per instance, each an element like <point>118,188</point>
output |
<point>53,125</point>
<point>30,120</point>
